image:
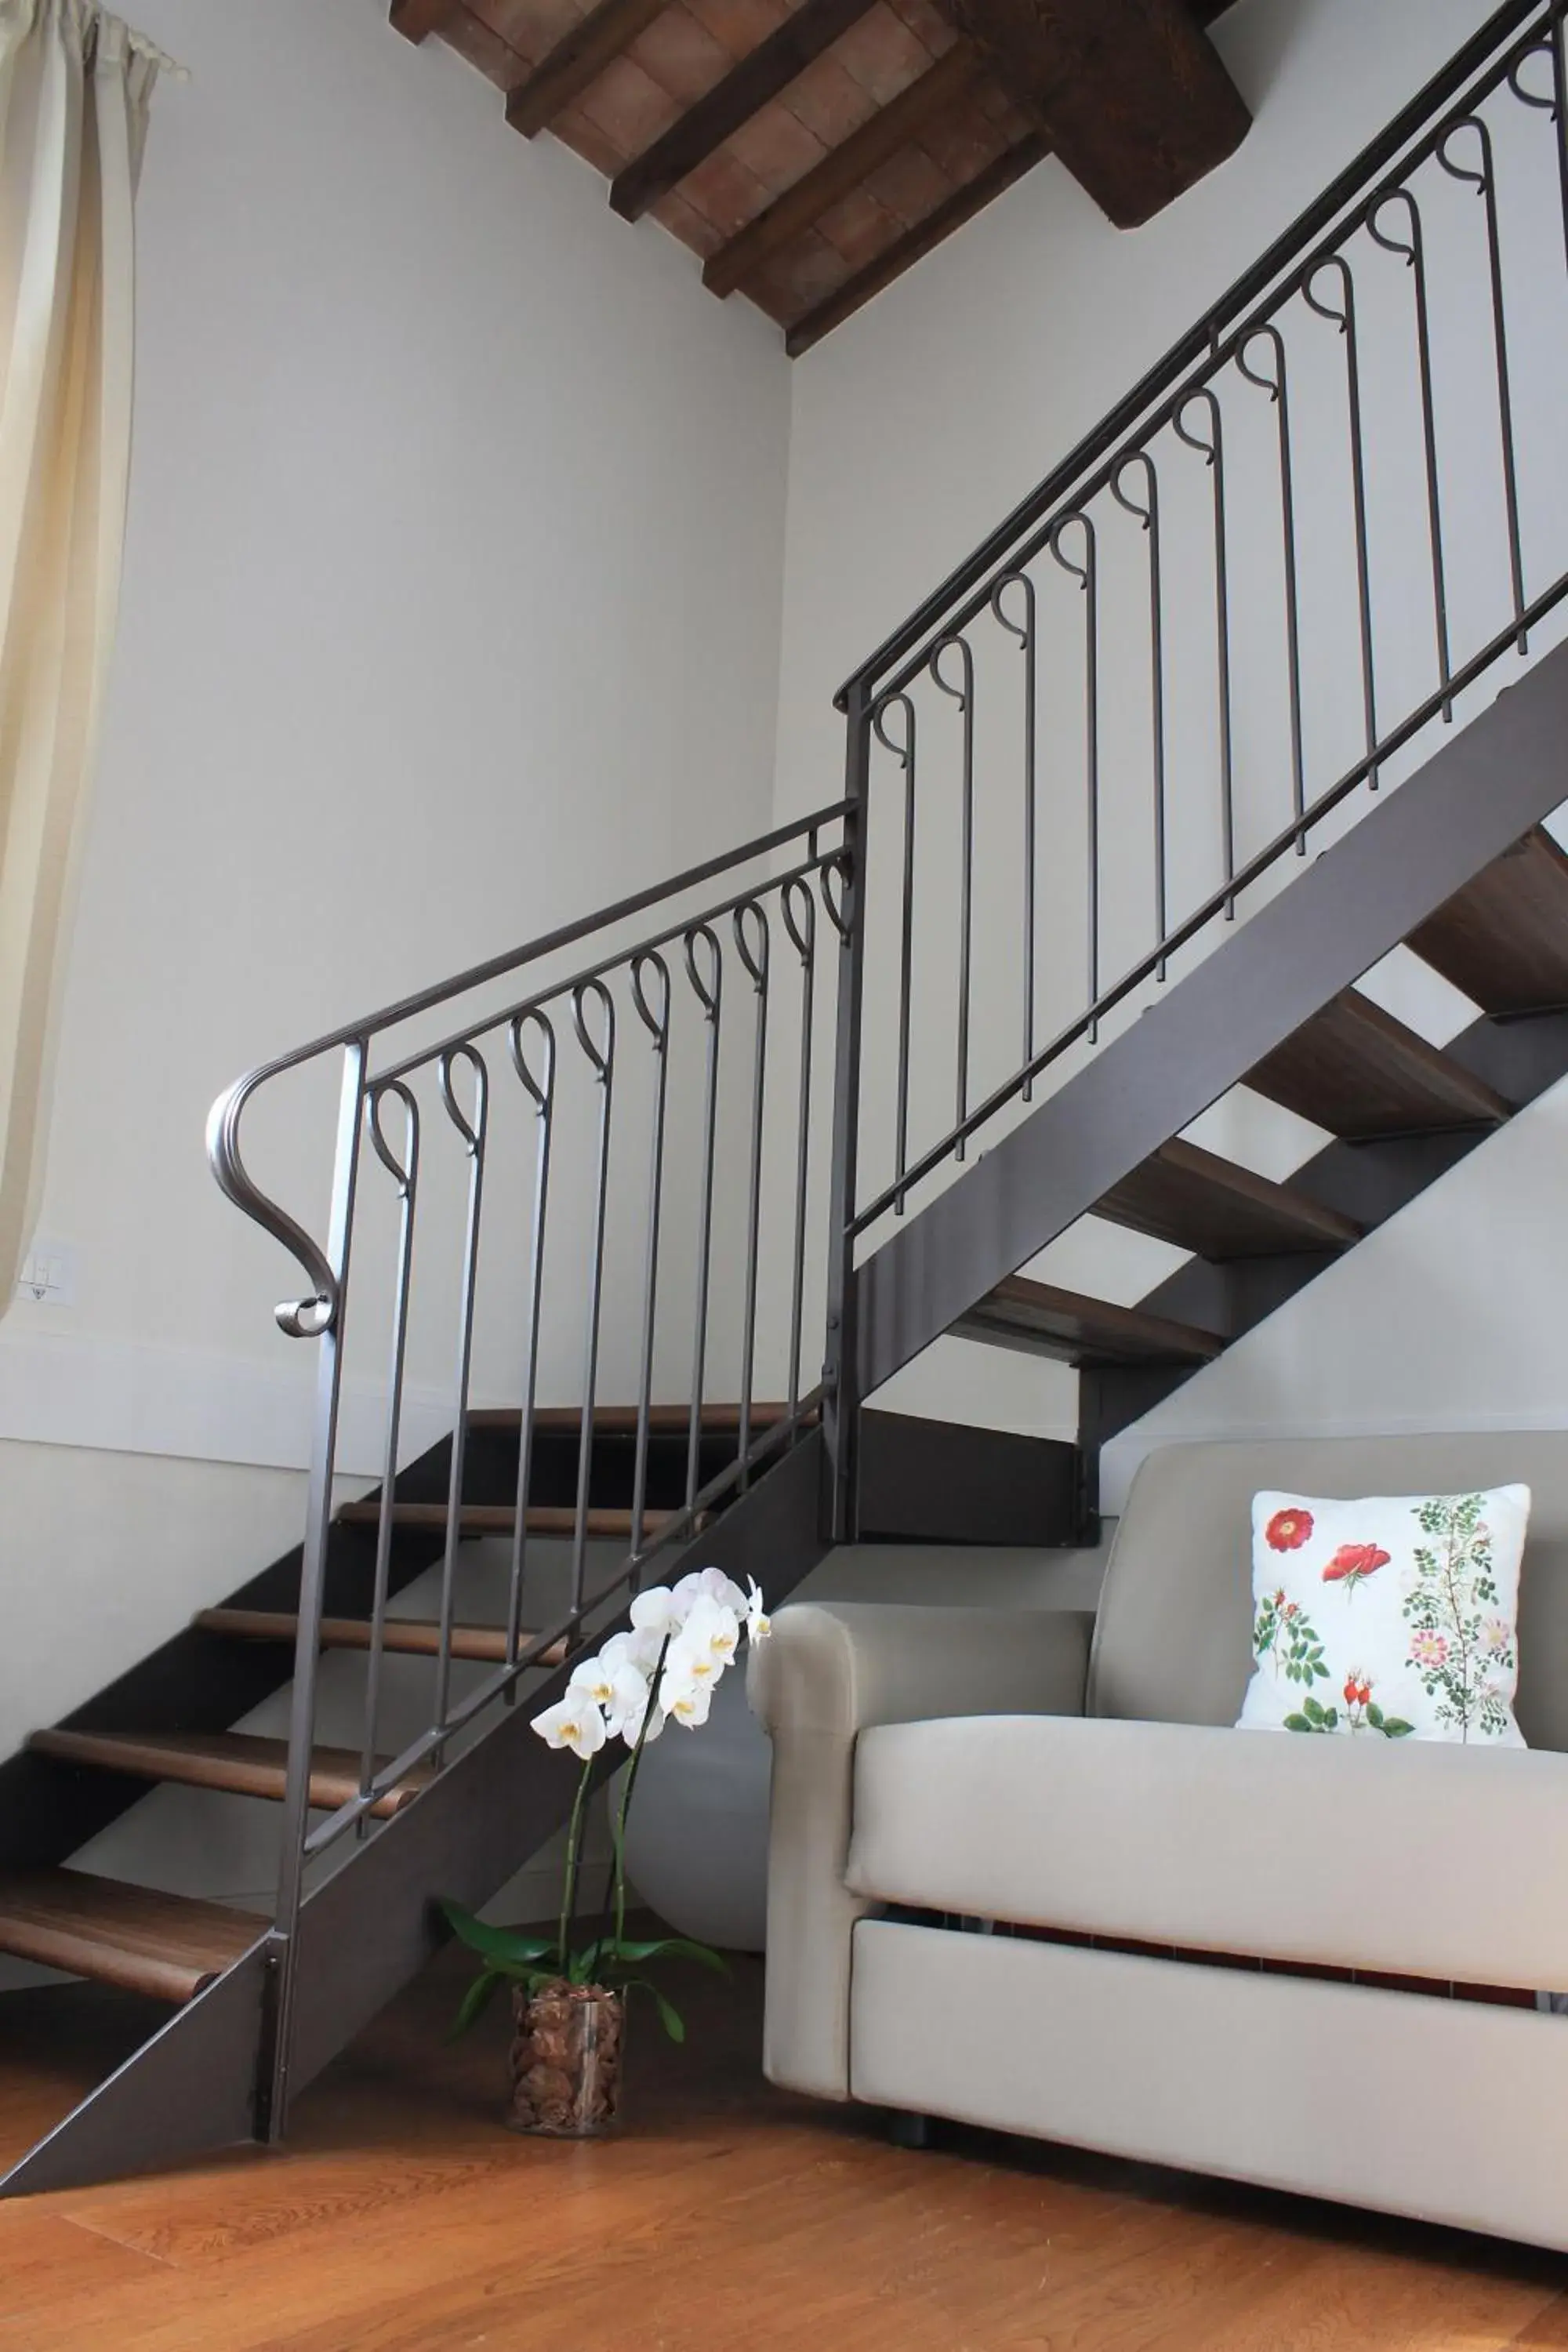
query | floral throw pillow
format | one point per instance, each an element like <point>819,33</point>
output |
<point>1389,1618</point>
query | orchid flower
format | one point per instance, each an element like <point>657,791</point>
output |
<point>690,1703</point>
<point>573,1722</point>
<point>759,1625</point>
<point>704,1647</point>
<point>710,1584</point>
<point>656,1613</point>
<point>629,1702</point>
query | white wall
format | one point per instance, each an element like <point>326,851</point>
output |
<point>451,611</point>
<point>918,426</point>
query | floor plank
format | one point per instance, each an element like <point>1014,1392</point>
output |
<point>403,2218</point>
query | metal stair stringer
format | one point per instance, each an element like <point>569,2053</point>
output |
<point>1478,793</point>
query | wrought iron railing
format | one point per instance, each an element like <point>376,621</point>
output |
<point>1325,516</point>
<point>635,1055</point>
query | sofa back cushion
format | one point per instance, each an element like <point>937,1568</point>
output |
<point>1173,1639</point>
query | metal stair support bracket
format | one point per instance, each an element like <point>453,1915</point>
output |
<point>1484,788</point>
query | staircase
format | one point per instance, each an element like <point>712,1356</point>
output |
<point>636,1154</point>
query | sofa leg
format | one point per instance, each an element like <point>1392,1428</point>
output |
<point>906,2130</point>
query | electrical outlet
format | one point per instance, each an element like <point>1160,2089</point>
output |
<point>48,1274</point>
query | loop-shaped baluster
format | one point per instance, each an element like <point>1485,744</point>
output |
<point>1484,181</point>
<point>1087,575</point>
<point>708,989</point>
<point>1545,100</point>
<point>403,1172</point>
<point>472,1130</point>
<point>840,870</point>
<point>1147,513</point>
<point>962,693</point>
<point>754,953</point>
<point>540,1086</point>
<point>1024,633</point>
<point>1277,388</point>
<point>1212,452</point>
<point>797,911</point>
<point>538,1083</point>
<point>705,989</point>
<point>1342,316</point>
<point>655,1017</point>
<point>600,1051</point>
<point>905,752</point>
<point>1411,249</point>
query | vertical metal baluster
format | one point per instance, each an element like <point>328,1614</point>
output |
<point>753,954</point>
<point>1086,574</point>
<point>541,1091</point>
<point>709,993</point>
<point>1560,114</point>
<point>1212,452</point>
<point>840,1365</point>
<point>654,1019</point>
<point>1486,184</point>
<point>1415,256</point>
<point>472,1133</point>
<point>1277,387</point>
<point>963,694</point>
<point>273,2082</point>
<point>404,1174</point>
<point>1025,633</point>
<point>904,753</point>
<point>798,909</point>
<point>602,1058</point>
<point>1344,320</point>
<point>1149,516</point>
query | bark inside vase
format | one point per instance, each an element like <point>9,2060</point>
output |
<point>566,2060</point>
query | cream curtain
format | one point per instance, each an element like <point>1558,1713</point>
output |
<point>74,92</point>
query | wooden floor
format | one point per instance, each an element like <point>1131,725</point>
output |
<point>727,2217</point>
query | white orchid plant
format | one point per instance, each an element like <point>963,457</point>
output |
<point>665,1669</point>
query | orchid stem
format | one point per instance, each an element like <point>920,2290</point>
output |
<point>616,1884</point>
<point>569,1888</point>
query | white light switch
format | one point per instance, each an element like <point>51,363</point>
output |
<point>48,1274</point>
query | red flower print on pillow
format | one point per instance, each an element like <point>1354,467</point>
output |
<point>1288,1530</point>
<point>1352,1563</point>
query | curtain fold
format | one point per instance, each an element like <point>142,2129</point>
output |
<point>75,86</point>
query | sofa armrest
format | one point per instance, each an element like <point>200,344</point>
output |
<point>828,1672</point>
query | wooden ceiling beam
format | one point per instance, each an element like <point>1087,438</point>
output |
<point>843,168</point>
<point>415,18</point>
<point>578,57</point>
<point>1131,94</point>
<point>916,243</point>
<point>745,89</point>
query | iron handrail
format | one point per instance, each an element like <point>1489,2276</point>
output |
<point>1131,417</point>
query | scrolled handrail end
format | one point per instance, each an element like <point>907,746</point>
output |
<point>307,1318</point>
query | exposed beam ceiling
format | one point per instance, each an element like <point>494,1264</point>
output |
<point>811,150</point>
<point>1131,94</point>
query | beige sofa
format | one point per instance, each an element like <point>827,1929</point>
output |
<point>1052,1771</point>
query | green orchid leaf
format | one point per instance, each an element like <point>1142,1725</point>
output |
<point>1374,1714</point>
<point>1393,1727</point>
<point>1313,1711</point>
<point>670,2017</point>
<point>1297,1723</point>
<point>510,1944</point>
<point>1331,1718</point>
<point>673,1947</point>
<point>476,2000</point>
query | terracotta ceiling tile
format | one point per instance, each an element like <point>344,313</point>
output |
<point>495,58</point>
<point>927,23</point>
<point>859,227</point>
<point>724,192</point>
<point>909,185</point>
<point>628,106</point>
<point>997,106</point>
<point>740,25</point>
<point>584,138</point>
<point>881,53</point>
<point>681,55</point>
<point>683,220</point>
<point>532,28</point>
<point>795,280</point>
<point>777,147</point>
<point>828,100</point>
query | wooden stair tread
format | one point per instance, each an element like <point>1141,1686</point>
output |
<point>1503,939</point>
<point>166,1945</point>
<point>416,1637</point>
<point>621,1420</point>
<point>238,1762</point>
<point>1198,1201</point>
<point>500,1518</point>
<point>1080,1330</point>
<point>1360,1073</point>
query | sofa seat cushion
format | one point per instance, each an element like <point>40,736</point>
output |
<point>1411,1858</point>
